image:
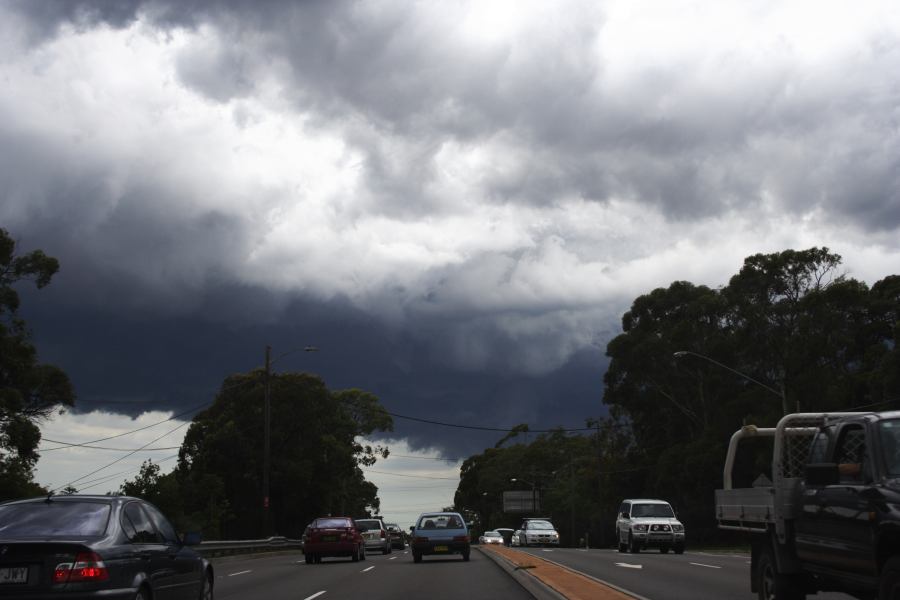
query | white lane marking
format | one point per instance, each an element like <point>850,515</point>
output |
<point>316,595</point>
<point>240,573</point>
<point>393,558</point>
<point>546,550</point>
<point>369,569</point>
<point>707,566</point>
<point>628,566</point>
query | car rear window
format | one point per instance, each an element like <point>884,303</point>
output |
<point>54,519</point>
<point>330,523</point>
<point>440,522</point>
<point>366,524</point>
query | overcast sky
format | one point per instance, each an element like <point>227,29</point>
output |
<point>455,201</point>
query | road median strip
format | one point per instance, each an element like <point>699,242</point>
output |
<point>565,582</point>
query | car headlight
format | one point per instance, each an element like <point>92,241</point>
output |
<point>640,528</point>
<point>678,527</point>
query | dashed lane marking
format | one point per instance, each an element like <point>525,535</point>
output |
<point>240,573</point>
<point>707,566</point>
<point>316,595</point>
<point>393,558</point>
<point>629,566</point>
<point>369,569</point>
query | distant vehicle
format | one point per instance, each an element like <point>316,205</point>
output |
<point>826,517</point>
<point>81,546</point>
<point>333,536</point>
<point>396,536</point>
<point>375,534</point>
<point>440,533</point>
<point>507,533</point>
<point>515,538</point>
<point>648,524</point>
<point>491,537</point>
<point>538,532</point>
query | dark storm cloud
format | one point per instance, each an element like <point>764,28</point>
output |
<point>176,271</point>
<point>691,140</point>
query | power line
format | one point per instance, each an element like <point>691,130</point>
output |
<point>416,476</point>
<point>70,445</point>
<point>500,429</point>
<point>123,457</point>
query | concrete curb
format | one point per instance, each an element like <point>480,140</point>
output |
<point>534,586</point>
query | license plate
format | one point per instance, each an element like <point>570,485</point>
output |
<point>329,538</point>
<point>441,549</point>
<point>14,575</point>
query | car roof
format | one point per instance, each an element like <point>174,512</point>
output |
<point>645,501</point>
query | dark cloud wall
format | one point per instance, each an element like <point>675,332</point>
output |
<point>495,202</point>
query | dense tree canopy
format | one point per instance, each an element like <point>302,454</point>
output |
<point>29,390</point>
<point>692,365</point>
<point>315,449</point>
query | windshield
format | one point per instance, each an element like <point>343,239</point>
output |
<point>652,510</point>
<point>54,520</point>
<point>366,524</point>
<point>440,522</point>
<point>539,525</point>
<point>889,433</point>
<point>330,523</point>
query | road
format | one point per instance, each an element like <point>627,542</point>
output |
<point>379,577</point>
<point>655,576</point>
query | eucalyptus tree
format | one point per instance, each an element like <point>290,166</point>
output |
<point>316,451</point>
<point>30,391</point>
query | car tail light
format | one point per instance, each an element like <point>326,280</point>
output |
<point>461,538</point>
<point>419,540</point>
<point>383,534</point>
<point>88,566</point>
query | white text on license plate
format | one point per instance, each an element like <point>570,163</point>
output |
<point>14,575</point>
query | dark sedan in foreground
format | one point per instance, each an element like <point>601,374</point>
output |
<point>112,547</point>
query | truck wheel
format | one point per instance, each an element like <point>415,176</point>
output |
<point>633,546</point>
<point>622,546</point>
<point>679,548</point>
<point>889,585</point>
<point>663,549</point>
<point>772,585</point>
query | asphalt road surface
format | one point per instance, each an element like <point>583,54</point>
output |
<point>655,576</point>
<point>380,577</point>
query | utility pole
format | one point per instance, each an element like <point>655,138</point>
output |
<point>267,458</point>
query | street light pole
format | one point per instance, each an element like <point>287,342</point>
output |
<point>267,435</point>
<point>780,394</point>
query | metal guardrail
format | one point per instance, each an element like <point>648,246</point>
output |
<point>226,548</point>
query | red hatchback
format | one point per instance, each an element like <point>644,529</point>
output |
<point>333,536</point>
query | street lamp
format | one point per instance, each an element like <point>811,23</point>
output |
<point>780,394</point>
<point>267,417</point>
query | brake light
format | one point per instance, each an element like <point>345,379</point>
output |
<point>382,534</point>
<point>461,538</point>
<point>88,566</point>
<point>419,540</point>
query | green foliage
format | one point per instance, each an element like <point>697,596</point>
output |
<point>315,455</point>
<point>787,333</point>
<point>29,391</point>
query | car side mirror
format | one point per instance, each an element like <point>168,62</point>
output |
<point>412,528</point>
<point>191,538</point>
<point>820,474</point>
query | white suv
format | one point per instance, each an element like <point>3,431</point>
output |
<point>648,523</point>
